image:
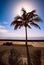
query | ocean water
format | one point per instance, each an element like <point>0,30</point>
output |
<point>23,38</point>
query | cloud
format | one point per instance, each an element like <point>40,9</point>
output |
<point>3,30</point>
<point>1,27</point>
<point>12,34</point>
<point>6,22</point>
<point>7,33</point>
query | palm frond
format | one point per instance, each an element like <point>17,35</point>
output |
<point>29,26</point>
<point>24,11</point>
<point>16,22</point>
<point>33,11</point>
<point>23,14</point>
<point>31,14</point>
<point>34,15</point>
<point>16,26</point>
<point>18,17</point>
<point>20,26</point>
<point>35,25</point>
<point>13,23</point>
<point>37,19</point>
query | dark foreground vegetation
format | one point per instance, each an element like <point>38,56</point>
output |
<point>8,43</point>
<point>15,57</point>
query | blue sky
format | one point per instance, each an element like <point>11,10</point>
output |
<point>10,8</point>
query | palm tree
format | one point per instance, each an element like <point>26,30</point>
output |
<point>27,20</point>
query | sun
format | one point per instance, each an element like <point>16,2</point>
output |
<point>27,6</point>
<point>23,5</point>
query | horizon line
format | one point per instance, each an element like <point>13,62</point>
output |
<point>21,40</point>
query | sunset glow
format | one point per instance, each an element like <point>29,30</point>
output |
<point>27,6</point>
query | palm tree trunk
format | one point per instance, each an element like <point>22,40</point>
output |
<point>27,50</point>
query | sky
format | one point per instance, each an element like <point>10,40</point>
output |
<point>11,8</point>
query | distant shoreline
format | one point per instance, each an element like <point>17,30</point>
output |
<point>21,40</point>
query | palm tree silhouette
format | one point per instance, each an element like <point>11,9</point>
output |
<point>27,20</point>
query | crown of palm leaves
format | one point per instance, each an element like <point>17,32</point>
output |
<point>26,19</point>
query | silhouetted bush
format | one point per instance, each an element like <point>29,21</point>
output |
<point>8,43</point>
